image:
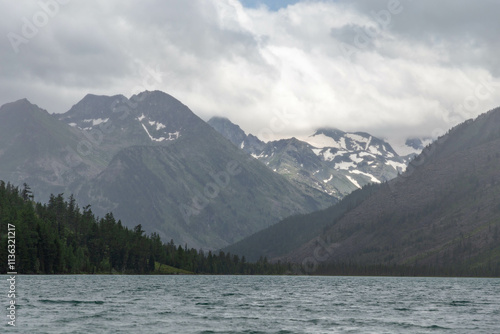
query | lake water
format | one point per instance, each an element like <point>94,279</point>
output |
<point>253,304</point>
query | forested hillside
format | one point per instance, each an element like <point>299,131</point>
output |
<point>292,232</point>
<point>444,211</point>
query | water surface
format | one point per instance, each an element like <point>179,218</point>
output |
<point>255,304</point>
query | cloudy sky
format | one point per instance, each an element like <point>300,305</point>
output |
<point>277,68</point>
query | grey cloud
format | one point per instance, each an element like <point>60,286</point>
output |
<point>354,35</point>
<point>191,26</point>
<point>468,29</point>
<point>220,58</point>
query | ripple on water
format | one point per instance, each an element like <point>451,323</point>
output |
<point>72,302</point>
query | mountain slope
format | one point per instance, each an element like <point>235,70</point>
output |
<point>291,233</point>
<point>232,132</point>
<point>39,150</point>
<point>444,211</point>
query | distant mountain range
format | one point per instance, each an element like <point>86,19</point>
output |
<point>333,197</point>
<point>330,160</point>
<point>151,161</point>
<point>443,211</point>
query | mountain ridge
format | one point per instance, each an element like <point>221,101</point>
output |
<point>330,160</point>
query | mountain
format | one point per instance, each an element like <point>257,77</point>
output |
<point>291,233</point>
<point>38,149</point>
<point>248,143</point>
<point>415,143</point>
<point>201,189</point>
<point>151,161</point>
<point>330,160</point>
<point>443,211</point>
<point>144,119</point>
<point>412,146</point>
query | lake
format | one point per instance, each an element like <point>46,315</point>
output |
<point>254,304</point>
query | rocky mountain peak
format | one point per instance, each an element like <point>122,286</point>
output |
<point>330,160</point>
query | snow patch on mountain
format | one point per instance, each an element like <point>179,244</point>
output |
<point>368,143</point>
<point>357,137</point>
<point>322,141</point>
<point>372,178</point>
<point>375,150</point>
<point>329,156</point>
<point>344,165</point>
<point>353,181</point>
<point>357,140</point>
<point>173,135</point>
<point>355,158</point>
<point>398,166</point>
<point>158,125</point>
<point>96,121</point>
<point>366,154</point>
<point>257,156</point>
<point>151,137</point>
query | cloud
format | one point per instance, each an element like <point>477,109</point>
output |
<point>393,69</point>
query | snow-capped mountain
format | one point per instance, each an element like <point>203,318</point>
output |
<point>144,119</point>
<point>330,160</point>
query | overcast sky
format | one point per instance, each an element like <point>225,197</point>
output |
<point>276,68</point>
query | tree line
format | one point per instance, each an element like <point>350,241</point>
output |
<point>61,238</point>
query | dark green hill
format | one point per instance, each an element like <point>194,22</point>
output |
<point>292,232</point>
